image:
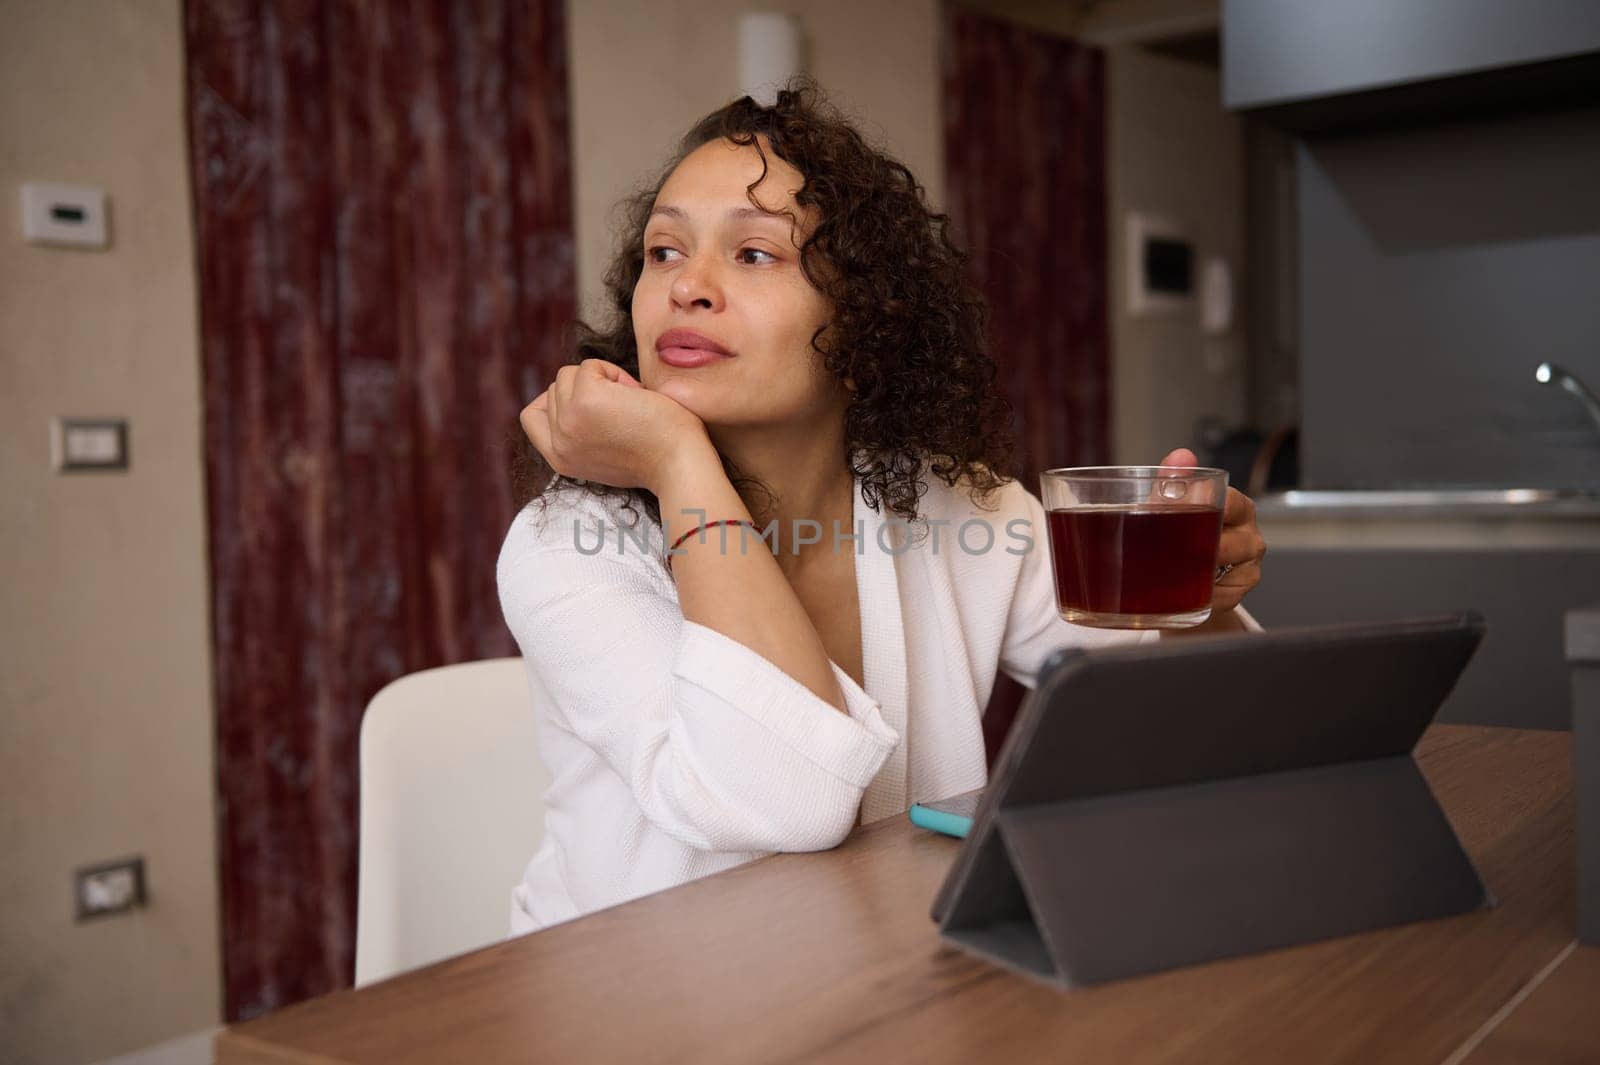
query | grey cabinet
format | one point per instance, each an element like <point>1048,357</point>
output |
<point>1438,267</point>
<point>1519,676</point>
<point>1320,64</point>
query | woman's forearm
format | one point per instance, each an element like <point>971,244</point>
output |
<point>739,593</point>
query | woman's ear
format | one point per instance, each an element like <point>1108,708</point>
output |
<point>850,384</point>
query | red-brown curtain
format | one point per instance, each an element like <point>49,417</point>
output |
<point>383,213</point>
<point>1025,178</point>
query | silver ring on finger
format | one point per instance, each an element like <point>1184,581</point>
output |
<point>1223,570</point>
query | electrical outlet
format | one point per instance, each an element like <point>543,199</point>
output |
<point>112,887</point>
<point>64,215</point>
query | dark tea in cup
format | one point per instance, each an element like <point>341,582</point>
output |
<point>1134,546</point>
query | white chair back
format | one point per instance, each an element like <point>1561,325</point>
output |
<point>452,808</point>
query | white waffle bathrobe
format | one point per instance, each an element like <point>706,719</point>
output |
<point>677,752</point>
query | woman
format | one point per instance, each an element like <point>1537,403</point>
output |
<point>793,351</point>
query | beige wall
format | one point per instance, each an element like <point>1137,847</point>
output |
<point>642,74</point>
<point>105,697</point>
<point>1173,153</point>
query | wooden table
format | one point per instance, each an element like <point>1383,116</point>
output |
<point>831,957</point>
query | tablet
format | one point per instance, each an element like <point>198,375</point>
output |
<point>1176,802</point>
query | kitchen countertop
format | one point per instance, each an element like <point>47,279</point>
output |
<point>1433,503</point>
<point>1433,519</point>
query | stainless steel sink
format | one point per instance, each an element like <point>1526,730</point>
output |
<point>1424,501</point>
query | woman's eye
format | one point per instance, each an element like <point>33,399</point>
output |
<point>661,253</point>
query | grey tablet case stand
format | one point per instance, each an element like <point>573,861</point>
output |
<point>1159,806</point>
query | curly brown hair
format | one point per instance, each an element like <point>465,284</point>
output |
<point>907,328</point>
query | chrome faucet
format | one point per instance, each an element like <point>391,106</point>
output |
<point>1551,374</point>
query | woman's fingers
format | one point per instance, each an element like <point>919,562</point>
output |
<point>610,371</point>
<point>566,378</point>
<point>1243,575</point>
<point>1177,458</point>
<point>577,387</point>
<point>555,421</point>
<point>540,406</point>
<point>1243,543</point>
<point>560,393</point>
<point>595,422</point>
<point>1238,509</point>
<point>1181,456</point>
<point>1241,537</point>
<point>536,424</point>
<point>1230,591</point>
<point>1241,548</point>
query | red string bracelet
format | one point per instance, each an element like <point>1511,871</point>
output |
<point>701,528</point>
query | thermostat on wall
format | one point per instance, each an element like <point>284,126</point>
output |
<point>67,215</point>
<point>1160,265</point>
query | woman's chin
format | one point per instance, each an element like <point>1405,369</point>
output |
<point>686,393</point>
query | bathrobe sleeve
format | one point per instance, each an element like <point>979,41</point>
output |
<point>720,748</point>
<point>1034,628</point>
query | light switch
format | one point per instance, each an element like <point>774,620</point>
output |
<point>80,444</point>
<point>109,888</point>
<point>66,215</point>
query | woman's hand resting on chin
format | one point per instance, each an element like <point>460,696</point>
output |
<point>597,423</point>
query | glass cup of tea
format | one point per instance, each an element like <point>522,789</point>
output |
<point>1134,547</point>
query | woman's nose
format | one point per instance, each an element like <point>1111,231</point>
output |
<point>697,283</point>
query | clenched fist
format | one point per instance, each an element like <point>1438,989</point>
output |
<point>596,423</point>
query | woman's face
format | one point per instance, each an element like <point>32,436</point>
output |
<point>729,274</point>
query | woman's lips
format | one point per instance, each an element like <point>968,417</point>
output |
<point>686,349</point>
<point>688,358</point>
